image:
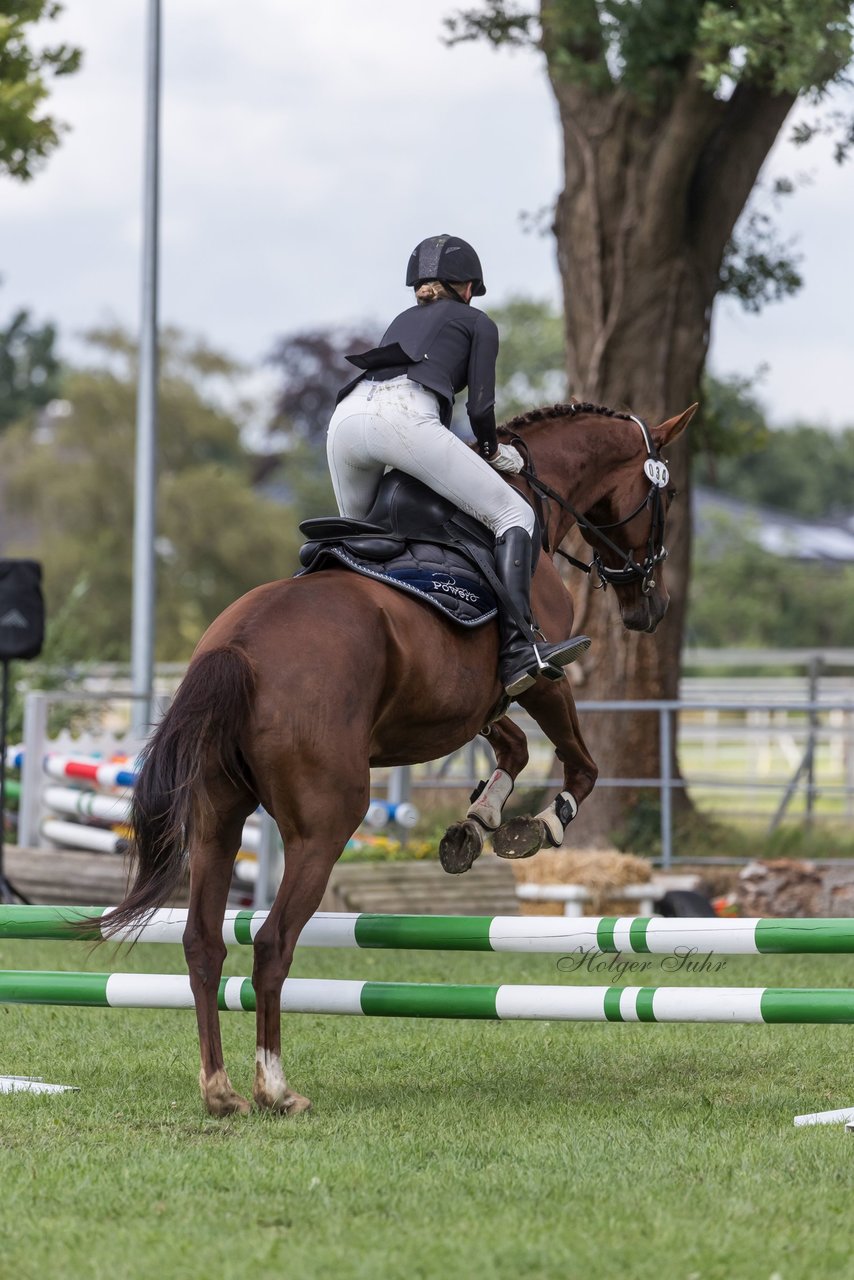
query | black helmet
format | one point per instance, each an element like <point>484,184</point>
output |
<point>445,258</point>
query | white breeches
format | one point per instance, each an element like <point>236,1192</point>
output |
<point>396,424</point>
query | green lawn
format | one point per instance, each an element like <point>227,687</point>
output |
<point>436,1149</point>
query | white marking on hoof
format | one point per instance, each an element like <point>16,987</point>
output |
<point>271,1091</point>
<point>220,1097</point>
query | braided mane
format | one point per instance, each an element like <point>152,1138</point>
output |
<point>561,411</point>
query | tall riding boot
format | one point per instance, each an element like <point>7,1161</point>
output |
<point>523,657</point>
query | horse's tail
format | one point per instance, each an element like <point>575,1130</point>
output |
<point>201,731</point>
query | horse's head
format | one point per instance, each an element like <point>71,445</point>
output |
<point>628,523</point>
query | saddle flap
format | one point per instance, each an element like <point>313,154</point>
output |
<point>440,576</point>
<point>363,548</point>
<point>323,528</point>
<point>410,510</point>
<point>370,548</point>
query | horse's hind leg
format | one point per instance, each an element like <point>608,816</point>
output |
<point>316,822</point>
<point>212,853</point>
<point>462,843</point>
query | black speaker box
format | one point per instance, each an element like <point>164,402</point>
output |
<point>21,609</point>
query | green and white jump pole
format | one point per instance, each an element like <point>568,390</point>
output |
<point>438,1000</point>
<point>561,935</point>
<point>549,935</point>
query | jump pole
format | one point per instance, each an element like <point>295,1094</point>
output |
<point>560,935</point>
<point>436,1000</point>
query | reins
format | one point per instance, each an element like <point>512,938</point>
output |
<point>630,571</point>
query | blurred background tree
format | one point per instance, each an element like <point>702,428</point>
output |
<point>69,487</point>
<point>744,596</point>
<point>28,134</point>
<point>29,367</point>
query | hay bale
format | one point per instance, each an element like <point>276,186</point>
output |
<point>597,869</point>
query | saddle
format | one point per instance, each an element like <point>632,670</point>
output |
<point>416,541</point>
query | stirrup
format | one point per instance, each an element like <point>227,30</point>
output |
<point>549,663</point>
<point>526,676</point>
<point>557,656</point>
<point>521,683</point>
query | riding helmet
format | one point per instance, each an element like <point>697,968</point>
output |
<point>445,258</point>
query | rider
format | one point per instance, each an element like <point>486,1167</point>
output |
<point>396,414</point>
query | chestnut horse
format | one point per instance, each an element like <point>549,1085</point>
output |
<point>301,686</point>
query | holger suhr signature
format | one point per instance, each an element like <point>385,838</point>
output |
<point>614,967</point>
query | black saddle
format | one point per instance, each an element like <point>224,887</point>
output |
<point>418,542</point>
<point>405,510</point>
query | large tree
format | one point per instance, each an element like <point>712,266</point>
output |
<point>668,111</point>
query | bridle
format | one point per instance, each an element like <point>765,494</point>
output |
<point>655,470</point>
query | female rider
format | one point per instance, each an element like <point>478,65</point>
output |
<point>396,413</point>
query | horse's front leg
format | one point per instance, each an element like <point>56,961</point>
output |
<point>552,705</point>
<point>462,843</point>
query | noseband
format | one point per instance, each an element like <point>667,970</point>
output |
<point>655,470</point>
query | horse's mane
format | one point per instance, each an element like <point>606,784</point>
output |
<point>561,411</point>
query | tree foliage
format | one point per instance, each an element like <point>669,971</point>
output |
<point>29,367</point>
<point>803,469</point>
<point>531,356</point>
<point>28,134</point>
<point>745,596</point>
<point>70,492</point>
<point>656,53</point>
<point>782,44</point>
<point>312,365</point>
<point>757,267</point>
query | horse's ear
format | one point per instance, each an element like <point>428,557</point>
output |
<point>672,429</point>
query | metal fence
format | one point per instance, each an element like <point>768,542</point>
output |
<point>779,758</point>
<point>759,756</point>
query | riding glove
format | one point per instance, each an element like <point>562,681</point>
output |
<point>507,459</point>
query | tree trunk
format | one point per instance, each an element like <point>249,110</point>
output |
<point>650,200</point>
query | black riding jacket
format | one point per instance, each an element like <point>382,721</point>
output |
<point>444,346</point>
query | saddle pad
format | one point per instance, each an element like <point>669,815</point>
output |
<point>440,576</point>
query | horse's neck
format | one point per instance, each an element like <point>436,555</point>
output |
<point>578,457</point>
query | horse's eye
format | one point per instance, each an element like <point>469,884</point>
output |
<point>672,493</point>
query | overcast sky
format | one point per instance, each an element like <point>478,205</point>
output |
<point>307,148</point>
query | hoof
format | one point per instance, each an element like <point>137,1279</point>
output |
<point>460,846</point>
<point>271,1092</point>
<point>288,1104</point>
<point>220,1098</point>
<point>520,838</point>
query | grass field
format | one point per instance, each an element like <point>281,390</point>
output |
<point>436,1149</point>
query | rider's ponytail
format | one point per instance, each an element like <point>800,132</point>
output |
<point>432,291</point>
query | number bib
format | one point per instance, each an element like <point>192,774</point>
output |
<point>656,471</point>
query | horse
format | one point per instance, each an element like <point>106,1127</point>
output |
<point>298,688</point>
